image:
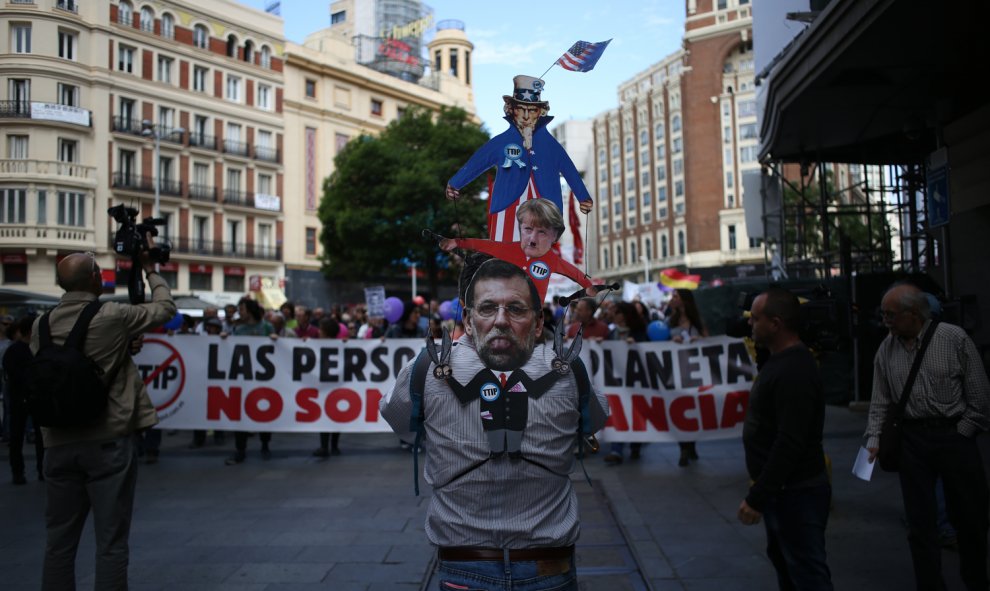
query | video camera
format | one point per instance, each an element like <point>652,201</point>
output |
<point>133,238</point>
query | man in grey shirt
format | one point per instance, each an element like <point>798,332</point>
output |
<point>502,510</point>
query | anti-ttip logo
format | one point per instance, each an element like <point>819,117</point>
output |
<point>490,392</point>
<point>539,270</point>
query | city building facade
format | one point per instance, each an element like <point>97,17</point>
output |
<point>172,109</point>
<point>669,159</point>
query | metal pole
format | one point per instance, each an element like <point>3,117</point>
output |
<point>413,281</point>
<point>158,169</point>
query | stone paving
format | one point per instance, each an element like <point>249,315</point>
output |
<point>351,522</point>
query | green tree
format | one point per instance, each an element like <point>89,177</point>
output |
<point>386,189</point>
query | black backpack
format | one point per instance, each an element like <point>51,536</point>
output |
<point>64,387</point>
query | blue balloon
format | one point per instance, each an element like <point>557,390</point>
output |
<point>456,309</point>
<point>445,311</point>
<point>175,323</point>
<point>658,331</point>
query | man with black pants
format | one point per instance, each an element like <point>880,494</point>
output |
<point>500,434</point>
<point>783,441</point>
<point>947,408</point>
<point>94,467</point>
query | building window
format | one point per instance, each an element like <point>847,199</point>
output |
<point>732,237</point>
<point>644,137</point>
<point>13,203</point>
<point>265,245</point>
<point>678,188</point>
<point>678,167</point>
<point>233,283</point>
<point>728,179</point>
<point>661,173</point>
<point>70,5</point>
<point>200,127</point>
<point>68,95</point>
<point>201,36</point>
<point>310,88</point>
<point>676,145</point>
<point>17,147</point>
<point>125,14</point>
<point>310,241</point>
<point>147,20</point>
<point>663,246</point>
<point>748,131</point>
<point>15,269</point>
<point>376,107</point>
<point>199,78</point>
<point>125,59</point>
<point>618,256</point>
<point>265,97</point>
<point>233,88</point>
<point>338,17</point>
<point>20,38</point>
<point>67,41</point>
<point>629,145</point>
<point>681,244</point>
<point>748,153</point>
<point>42,207</point>
<point>68,150</point>
<point>605,258</point>
<point>168,26</point>
<point>233,235</point>
<point>453,62</point>
<point>659,132</point>
<point>71,209</point>
<point>436,60</point>
<point>232,46</point>
<point>661,194</point>
<point>165,69</point>
<point>266,57</point>
<point>615,150</point>
<point>200,278</point>
<point>248,52</point>
<point>675,123</point>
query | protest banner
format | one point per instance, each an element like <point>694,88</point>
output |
<point>660,391</point>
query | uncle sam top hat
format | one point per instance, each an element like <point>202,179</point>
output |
<point>526,89</point>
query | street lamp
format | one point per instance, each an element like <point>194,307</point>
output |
<point>646,262</point>
<point>154,131</point>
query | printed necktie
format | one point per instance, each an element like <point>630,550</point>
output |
<point>501,378</point>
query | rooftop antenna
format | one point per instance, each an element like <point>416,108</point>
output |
<point>274,7</point>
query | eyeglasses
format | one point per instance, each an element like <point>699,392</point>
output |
<point>889,314</point>
<point>489,310</point>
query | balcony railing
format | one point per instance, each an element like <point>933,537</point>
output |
<point>27,168</point>
<point>210,248</point>
<point>42,111</point>
<point>236,148</point>
<point>268,154</point>
<point>202,192</point>
<point>235,197</point>
<point>127,125</point>
<point>201,140</point>
<point>146,184</point>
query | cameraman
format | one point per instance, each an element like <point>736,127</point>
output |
<point>95,466</point>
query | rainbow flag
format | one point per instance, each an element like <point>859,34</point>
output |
<point>676,280</point>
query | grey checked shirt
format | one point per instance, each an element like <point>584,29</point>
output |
<point>501,502</point>
<point>951,382</point>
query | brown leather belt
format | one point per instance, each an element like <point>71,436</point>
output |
<point>461,554</point>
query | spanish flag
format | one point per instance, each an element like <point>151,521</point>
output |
<point>676,280</point>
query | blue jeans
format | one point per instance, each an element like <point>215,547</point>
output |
<point>795,522</point>
<point>493,575</point>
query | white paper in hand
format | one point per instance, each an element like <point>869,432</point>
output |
<point>863,468</point>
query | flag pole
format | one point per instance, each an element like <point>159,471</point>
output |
<point>548,69</point>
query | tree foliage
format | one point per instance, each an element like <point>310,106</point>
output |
<point>386,189</point>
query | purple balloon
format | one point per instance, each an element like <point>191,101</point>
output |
<point>393,309</point>
<point>446,310</point>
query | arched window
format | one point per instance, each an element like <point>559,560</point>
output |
<point>147,19</point>
<point>615,150</point>
<point>633,252</point>
<point>232,46</point>
<point>605,258</point>
<point>675,123</point>
<point>201,36</point>
<point>663,246</point>
<point>681,247</point>
<point>659,132</point>
<point>266,56</point>
<point>248,51</point>
<point>618,256</point>
<point>649,249</point>
<point>629,144</point>
<point>644,137</point>
<point>168,26</point>
<point>125,13</point>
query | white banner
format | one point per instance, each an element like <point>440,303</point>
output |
<point>63,113</point>
<point>656,391</point>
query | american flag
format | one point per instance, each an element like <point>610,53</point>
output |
<point>582,56</point>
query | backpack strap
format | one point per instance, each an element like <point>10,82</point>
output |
<point>584,403</point>
<point>44,331</point>
<point>77,337</point>
<point>417,415</point>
